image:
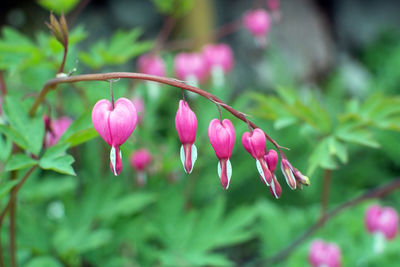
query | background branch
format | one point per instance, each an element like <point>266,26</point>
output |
<point>374,193</point>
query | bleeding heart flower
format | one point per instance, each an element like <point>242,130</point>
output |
<point>114,125</point>
<point>140,159</point>
<point>218,55</point>
<point>324,254</point>
<point>257,22</point>
<point>191,67</point>
<point>222,139</point>
<point>382,219</point>
<point>151,64</point>
<point>55,129</point>
<point>254,142</point>
<point>272,159</point>
<point>186,126</point>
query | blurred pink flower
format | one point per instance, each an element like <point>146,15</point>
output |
<point>384,220</point>
<point>151,64</point>
<point>257,22</point>
<point>186,126</point>
<point>139,106</point>
<point>114,125</point>
<point>222,139</point>
<point>273,5</point>
<point>55,129</point>
<point>324,254</point>
<point>218,55</point>
<point>140,159</point>
<point>190,66</point>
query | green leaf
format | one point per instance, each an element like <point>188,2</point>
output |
<point>123,46</point>
<point>127,205</point>
<point>80,131</point>
<point>174,7</point>
<point>20,161</point>
<point>56,159</point>
<point>6,187</point>
<point>321,157</point>
<point>338,148</point>
<point>14,135</point>
<point>44,261</point>
<point>58,6</point>
<point>32,130</point>
<point>357,135</point>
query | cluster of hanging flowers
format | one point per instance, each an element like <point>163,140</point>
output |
<point>115,122</point>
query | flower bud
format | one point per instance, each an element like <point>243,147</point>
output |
<point>114,125</point>
<point>286,168</point>
<point>222,139</point>
<point>186,126</point>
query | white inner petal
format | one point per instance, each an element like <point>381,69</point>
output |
<point>113,159</point>
<point>183,157</point>
<point>194,156</point>
<point>228,172</point>
<point>260,171</point>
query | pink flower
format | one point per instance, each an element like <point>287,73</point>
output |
<point>254,143</point>
<point>151,64</point>
<point>222,139</point>
<point>140,159</point>
<point>324,254</point>
<point>186,126</point>
<point>257,22</point>
<point>189,66</point>
<point>55,129</point>
<point>271,158</point>
<point>139,105</point>
<point>114,125</point>
<point>382,220</point>
<point>273,5</point>
<point>218,55</point>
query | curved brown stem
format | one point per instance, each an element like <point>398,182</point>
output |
<point>11,206</point>
<point>325,191</point>
<point>16,189</point>
<point>378,192</point>
<point>140,76</point>
<point>61,69</point>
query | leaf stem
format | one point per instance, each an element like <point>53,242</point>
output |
<point>11,206</point>
<point>326,186</point>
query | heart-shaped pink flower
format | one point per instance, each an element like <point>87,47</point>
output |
<point>254,142</point>
<point>222,139</point>
<point>114,125</point>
